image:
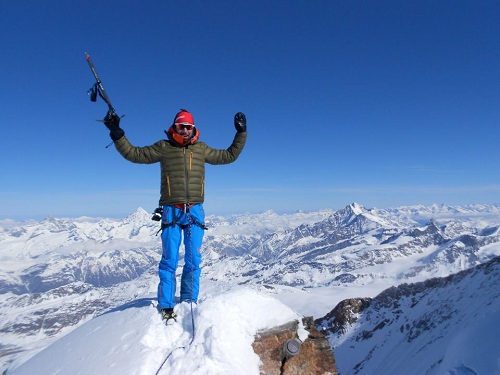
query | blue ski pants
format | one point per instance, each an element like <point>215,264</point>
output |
<point>175,223</point>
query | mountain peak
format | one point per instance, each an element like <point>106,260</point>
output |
<point>356,208</point>
<point>350,213</point>
<point>140,215</point>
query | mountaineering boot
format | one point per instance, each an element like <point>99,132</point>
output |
<point>168,315</point>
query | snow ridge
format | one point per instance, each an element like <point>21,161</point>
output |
<point>119,342</point>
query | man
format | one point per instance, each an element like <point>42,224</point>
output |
<point>182,161</point>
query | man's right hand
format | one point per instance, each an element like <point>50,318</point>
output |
<point>112,122</point>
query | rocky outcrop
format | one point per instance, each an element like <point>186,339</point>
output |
<point>343,315</point>
<point>314,356</point>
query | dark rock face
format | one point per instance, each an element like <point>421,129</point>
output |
<point>314,358</point>
<point>344,314</point>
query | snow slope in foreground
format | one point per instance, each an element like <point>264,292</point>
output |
<point>132,339</point>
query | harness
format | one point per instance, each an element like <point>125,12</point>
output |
<point>191,220</point>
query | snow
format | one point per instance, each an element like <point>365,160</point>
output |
<point>451,329</point>
<point>266,222</point>
<point>132,339</point>
<point>318,302</point>
<point>456,358</point>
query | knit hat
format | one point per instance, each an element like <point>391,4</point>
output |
<point>184,117</point>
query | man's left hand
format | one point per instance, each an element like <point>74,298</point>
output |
<point>240,122</point>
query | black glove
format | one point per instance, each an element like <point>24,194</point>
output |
<point>112,122</point>
<point>240,122</point>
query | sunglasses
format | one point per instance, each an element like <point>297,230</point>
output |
<point>183,126</point>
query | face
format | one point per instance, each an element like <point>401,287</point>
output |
<point>186,131</point>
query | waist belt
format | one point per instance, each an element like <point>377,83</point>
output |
<point>184,206</point>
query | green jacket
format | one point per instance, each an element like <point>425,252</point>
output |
<point>182,167</point>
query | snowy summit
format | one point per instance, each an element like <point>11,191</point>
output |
<point>214,338</point>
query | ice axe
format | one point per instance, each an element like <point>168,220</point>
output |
<point>98,87</point>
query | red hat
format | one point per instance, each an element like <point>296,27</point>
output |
<point>184,117</point>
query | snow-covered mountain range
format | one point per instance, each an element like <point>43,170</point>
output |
<point>438,326</point>
<point>57,274</point>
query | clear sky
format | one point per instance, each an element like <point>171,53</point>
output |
<point>384,103</point>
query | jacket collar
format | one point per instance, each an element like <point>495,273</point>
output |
<point>178,139</point>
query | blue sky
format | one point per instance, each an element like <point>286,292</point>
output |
<point>384,103</point>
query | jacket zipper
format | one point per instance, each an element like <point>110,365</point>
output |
<point>187,167</point>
